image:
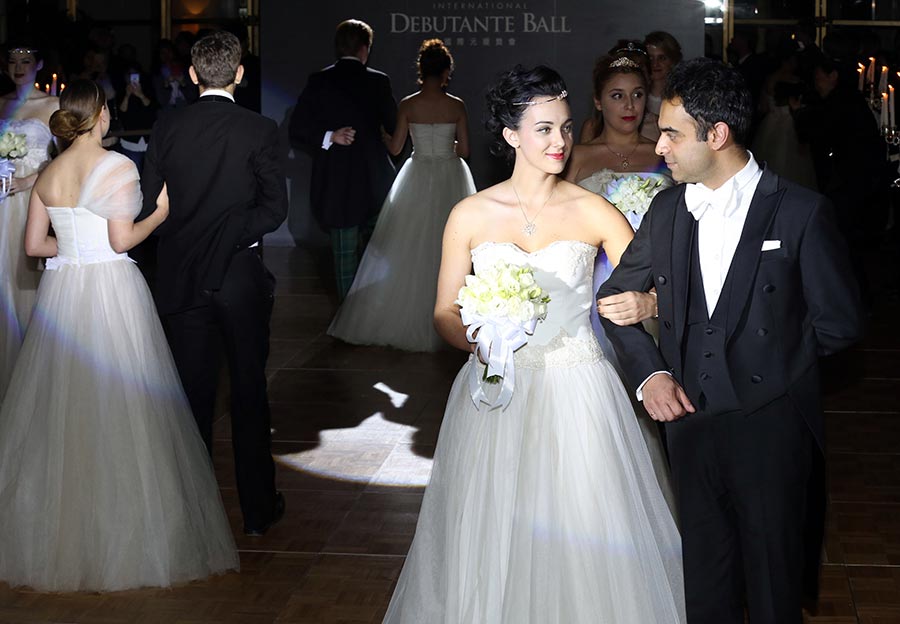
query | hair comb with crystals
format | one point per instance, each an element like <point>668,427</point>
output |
<point>561,96</point>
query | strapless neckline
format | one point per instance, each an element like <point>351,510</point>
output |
<point>536,251</point>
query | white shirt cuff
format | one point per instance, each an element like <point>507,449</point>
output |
<point>640,391</point>
<point>326,141</point>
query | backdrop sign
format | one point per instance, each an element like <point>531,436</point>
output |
<point>485,38</point>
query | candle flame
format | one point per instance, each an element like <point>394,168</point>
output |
<point>861,66</point>
<point>61,87</point>
<point>54,76</point>
<point>47,87</point>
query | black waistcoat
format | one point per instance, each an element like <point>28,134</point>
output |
<point>706,380</point>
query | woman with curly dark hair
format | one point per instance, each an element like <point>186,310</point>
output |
<point>546,511</point>
<point>392,297</point>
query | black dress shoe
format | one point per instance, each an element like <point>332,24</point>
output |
<point>277,514</point>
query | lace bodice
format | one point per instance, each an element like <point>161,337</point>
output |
<point>433,140</point>
<point>110,191</point>
<point>39,140</point>
<point>564,270</point>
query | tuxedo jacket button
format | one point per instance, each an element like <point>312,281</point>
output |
<point>661,279</point>
<point>768,288</point>
<point>667,324</point>
<point>762,331</point>
<point>704,376</point>
<point>707,354</point>
<point>756,379</point>
<point>709,331</point>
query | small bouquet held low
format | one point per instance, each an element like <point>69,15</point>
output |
<point>500,306</point>
<point>13,145</point>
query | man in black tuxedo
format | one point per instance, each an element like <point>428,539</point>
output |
<point>753,285</point>
<point>340,116</point>
<point>227,189</point>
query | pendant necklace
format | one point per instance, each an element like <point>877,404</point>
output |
<point>530,226</point>
<point>624,157</point>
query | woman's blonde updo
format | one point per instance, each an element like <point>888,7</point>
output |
<point>80,106</point>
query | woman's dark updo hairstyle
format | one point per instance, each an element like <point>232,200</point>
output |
<point>611,64</point>
<point>518,85</point>
<point>80,106</point>
<point>434,59</point>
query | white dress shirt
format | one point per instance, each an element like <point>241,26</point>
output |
<point>721,214</point>
<point>220,92</point>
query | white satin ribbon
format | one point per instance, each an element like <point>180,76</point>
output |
<point>496,342</point>
<point>7,169</point>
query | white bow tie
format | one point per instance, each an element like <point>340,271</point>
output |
<point>699,199</point>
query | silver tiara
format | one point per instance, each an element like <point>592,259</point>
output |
<point>23,51</point>
<point>631,48</point>
<point>562,95</point>
<point>624,61</point>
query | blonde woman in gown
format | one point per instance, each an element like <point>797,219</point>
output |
<point>392,297</point>
<point>105,483</point>
<point>547,511</point>
<point>25,111</point>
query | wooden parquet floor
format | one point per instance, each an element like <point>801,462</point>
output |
<point>354,432</point>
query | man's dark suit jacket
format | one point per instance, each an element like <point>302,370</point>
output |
<point>786,307</point>
<point>349,183</point>
<point>226,189</point>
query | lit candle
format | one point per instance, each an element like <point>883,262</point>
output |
<point>53,86</point>
<point>37,86</point>
<point>882,83</point>
<point>870,74</point>
<point>47,87</point>
<point>884,110</point>
<point>62,87</point>
<point>862,76</point>
<point>891,113</point>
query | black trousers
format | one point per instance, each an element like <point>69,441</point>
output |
<point>233,323</point>
<point>741,482</point>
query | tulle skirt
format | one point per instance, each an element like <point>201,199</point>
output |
<point>19,277</point>
<point>546,513</point>
<point>391,301</point>
<point>105,483</point>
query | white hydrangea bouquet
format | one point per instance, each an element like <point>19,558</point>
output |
<point>632,195</point>
<point>13,145</point>
<point>500,306</point>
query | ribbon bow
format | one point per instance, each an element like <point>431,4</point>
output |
<point>496,342</point>
<point>7,169</point>
<point>700,198</point>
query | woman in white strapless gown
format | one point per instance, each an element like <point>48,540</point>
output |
<point>547,511</point>
<point>105,483</point>
<point>24,111</point>
<point>391,301</point>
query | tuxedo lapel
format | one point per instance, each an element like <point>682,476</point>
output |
<point>742,272</point>
<point>680,259</point>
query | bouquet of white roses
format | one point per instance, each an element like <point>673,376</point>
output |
<point>13,145</point>
<point>633,194</point>
<point>503,304</point>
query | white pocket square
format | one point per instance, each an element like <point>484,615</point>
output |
<point>771,244</point>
